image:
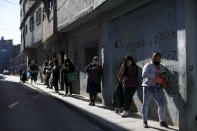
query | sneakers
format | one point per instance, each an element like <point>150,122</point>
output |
<point>163,124</point>
<point>145,124</point>
<point>125,114</point>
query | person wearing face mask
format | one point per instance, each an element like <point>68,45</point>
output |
<point>94,71</point>
<point>153,74</point>
<point>128,76</point>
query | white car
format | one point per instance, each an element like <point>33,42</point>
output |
<point>6,72</point>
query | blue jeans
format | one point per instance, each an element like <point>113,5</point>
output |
<point>156,92</point>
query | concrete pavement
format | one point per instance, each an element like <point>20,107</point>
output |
<point>100,114</point>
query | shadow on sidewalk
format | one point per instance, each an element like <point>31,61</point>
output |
<point>105,107</point>
<point>79,97</point>
<point>167,129</point>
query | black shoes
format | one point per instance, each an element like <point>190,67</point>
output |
<point>145,124</point>
<point>163,124</point>
<point>92,104</point>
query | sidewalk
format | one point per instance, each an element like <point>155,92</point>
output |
<point>101,115</point>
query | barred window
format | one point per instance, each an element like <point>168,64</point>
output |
<point>38,16</point>
<point>31,23</point>
<point>25,29</point>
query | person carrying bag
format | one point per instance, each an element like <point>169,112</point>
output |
<point>69,75</point>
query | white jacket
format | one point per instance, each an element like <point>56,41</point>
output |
<point>148,73</point>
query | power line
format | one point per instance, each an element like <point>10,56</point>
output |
<point>6,29</point>
<point>11,2</point>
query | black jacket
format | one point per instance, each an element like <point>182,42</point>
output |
<point>94,74</point>
<point>56,72</point>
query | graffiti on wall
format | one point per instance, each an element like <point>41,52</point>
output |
<point>159,39</point>
<point>131,46</point>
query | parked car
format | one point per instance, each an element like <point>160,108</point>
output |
<point>6,72</point>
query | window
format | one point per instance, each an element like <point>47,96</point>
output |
<point>50,5</point>
<point>23,8</point>
<point>43,14</point>
<point>38,16</point>
<point>6,58</point>
<point>31,23</point>
<point>25,29</point>
<point>3,50</point>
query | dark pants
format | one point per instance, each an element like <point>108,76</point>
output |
<point>128,93</point>
<point>47,80</point>
<point>93,97</point>
<point>68,85</point>
<point>34,76</point>
<point>55,84</point>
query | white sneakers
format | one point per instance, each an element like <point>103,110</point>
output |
<point>125,114</point>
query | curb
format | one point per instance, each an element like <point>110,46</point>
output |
<point>100,122</point>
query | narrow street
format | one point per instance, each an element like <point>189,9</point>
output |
<point>24,109</point>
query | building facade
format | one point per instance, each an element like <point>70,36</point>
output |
<point>6,54</point>
<point>111,29</point>
<point>19,63</point>
<point>32,15</point>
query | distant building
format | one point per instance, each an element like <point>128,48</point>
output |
<point>16,50</point>
<point>17,60</point>
<point>19,63</point>
<point>6,54</point>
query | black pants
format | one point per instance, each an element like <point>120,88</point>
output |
<point>93,97</point>
<point>55,84</point>
<point>68,85</point>
<point>34,76</point>
<point>128,93</point>
<point>47,80</point>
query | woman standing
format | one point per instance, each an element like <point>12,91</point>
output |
<point>68,67</point>
<point>94,71</point>
<point>55,72</point>
<point>128,76</point>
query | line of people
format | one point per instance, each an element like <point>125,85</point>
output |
<point>52,72</point>
<point>153,75</point>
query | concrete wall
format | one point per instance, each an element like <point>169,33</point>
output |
<point>70,11</point>
<point>34,37</point>
<point>187,31</point>
<point>84,43</point>
<point>192,63</point>
<point>25,8</point>
<point>48,27</point>
<point>149,26</point>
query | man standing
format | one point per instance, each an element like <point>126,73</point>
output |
<point>153,77</point>
<point>56,73</point>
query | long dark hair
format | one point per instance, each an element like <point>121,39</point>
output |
<point>70,64</point>
<point>129,57</point>
<point>124,67</point>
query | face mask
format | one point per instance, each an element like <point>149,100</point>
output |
<point>156,63</point>
<point>129,63</point>
<point>95,63</point>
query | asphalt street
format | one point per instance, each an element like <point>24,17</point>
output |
<point>25,109</point>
